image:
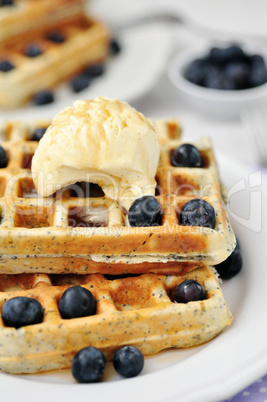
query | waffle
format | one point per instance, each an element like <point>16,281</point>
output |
<point>28,15</point>
<point>86,42</point>
<point>135,311</point>
<point>89,234</point>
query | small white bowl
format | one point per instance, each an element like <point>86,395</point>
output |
<point>215,102</point>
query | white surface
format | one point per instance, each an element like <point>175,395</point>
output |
<point>214,102</point>
<point>211,372</point>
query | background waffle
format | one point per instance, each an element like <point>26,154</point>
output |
<point>88,234</point>
<point>86,42</point>
<point>135,311</point>
<point>28,15</point>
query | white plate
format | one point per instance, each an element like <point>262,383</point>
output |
<point>128,76</point>
<point>211,372</point>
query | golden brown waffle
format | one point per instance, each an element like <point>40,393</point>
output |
<point>65,233</point>
<point>29,15</point>
<point>86,42</point>
<point>135,311</point>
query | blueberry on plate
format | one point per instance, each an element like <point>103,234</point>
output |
<point>32,50</point>
<point>56,37</point>
<point>95,70</point>
<point>3,158</point>
<point>6,66</point>
<point>186,155</point>
<point>197,212</point>
<point>38,134</point>
<point>145,211</point>
<point>88,365</point>
<point>80,82</point>
<point>128,361</point>
<point>189,290</point>
<point>114,47</point>
<point>20,311</point>
<point>43,98</point>
<point>232,265</point>
<point>77,302</point>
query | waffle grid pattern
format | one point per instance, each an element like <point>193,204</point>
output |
<point>135,310</point>
<point>96,227</point>
<point>86,41</point>
<point>28,15</point>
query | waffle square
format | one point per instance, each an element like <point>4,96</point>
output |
<point>78,230</point>
<point>28,15</point>
<point>137,311</point>
<point>86,42</point>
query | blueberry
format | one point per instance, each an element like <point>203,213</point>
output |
<point>237,72</point>
<point>77,302</point>
<point>145,211</point>
<point>194,72</point>
<point>56,37</point>
<point>232,265</point>
<point>32,50</point>
<point>80,82</point>
<point>197,212</point>
<point>114,47</point>
<point>6,3</point>
<point>258,71</point>
<point>223,55</point>
<point>6,65</point>
<point>128,361</point>
<point>95,70</point>
<point>186,155</point>
<point>3,158</point>
<point>38,134</point>
<point>189,290</point>
<point>21,311</point>
<point>88,365</point>
<point>43,98</point>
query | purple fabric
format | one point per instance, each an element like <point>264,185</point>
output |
<point>257,392</point>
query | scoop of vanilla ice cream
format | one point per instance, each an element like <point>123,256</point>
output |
<point>101,141</point>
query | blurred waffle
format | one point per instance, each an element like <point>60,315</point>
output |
<point>28,15</point>
<point>78,230</point>
<point>137,311</point>
<point>85,42</point>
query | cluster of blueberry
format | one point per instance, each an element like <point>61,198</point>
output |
<point>228,68</point>
<point>89,363</point>
<point>146,210</point>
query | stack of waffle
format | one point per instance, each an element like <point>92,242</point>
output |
<point>132,272</point>
<point>66,38</point>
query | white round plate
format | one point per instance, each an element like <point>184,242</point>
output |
<point>128,75</point>
<point>212,372</point>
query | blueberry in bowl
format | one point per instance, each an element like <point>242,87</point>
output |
<point>220,79</point>
<point>227,68</point>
